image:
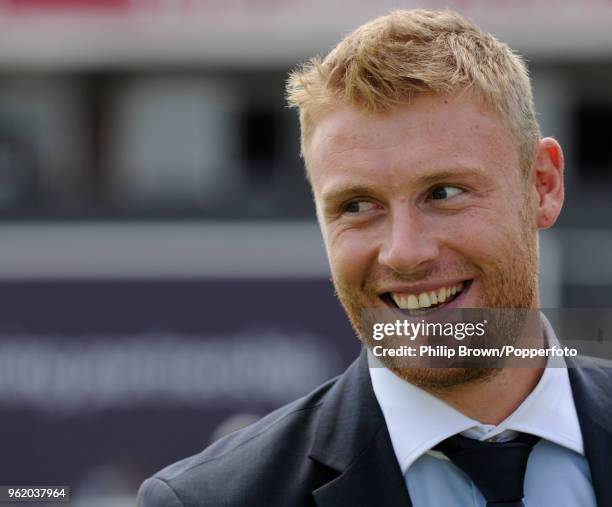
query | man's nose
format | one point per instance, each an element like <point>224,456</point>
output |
<point>409,244</point>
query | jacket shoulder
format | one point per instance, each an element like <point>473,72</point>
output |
<point>267,461</point>
<point>598,366</point>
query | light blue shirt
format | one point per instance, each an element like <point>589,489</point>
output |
<point>557,473</point>
<point>555,477</point>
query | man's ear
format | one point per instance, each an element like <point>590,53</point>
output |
<point>548,182</point>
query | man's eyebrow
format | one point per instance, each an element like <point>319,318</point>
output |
<point>345,191</point>
<point>448,175</point>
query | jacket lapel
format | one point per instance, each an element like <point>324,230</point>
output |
<point>591,387</point>
<point>352,439</point>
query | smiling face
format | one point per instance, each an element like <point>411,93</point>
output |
<point>424,206</point>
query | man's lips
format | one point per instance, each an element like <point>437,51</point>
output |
<point>426,298</point>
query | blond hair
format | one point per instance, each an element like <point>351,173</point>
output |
<point>390,60</point>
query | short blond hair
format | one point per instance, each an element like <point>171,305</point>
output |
<point>390,60</point>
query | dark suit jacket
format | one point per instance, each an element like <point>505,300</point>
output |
<point>332,448</point>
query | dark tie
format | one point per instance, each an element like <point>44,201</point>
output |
<point>497,469</point>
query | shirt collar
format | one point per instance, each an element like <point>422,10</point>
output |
<point>417,420</point>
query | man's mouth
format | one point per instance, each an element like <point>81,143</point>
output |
<point>427,300</point>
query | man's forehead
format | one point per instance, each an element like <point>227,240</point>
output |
<point>432,115</point>
<point>347,126</point>
<point>432,134</point>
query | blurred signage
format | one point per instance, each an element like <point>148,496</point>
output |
<point>96,374</point>
<point>29,5</point>
<point>123,32</point>
<point>550,8</point>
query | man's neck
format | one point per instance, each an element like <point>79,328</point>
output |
<point>493,399</point>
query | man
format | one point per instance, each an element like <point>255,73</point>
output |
<point>430,181</point>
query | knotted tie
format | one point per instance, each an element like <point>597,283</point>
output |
<point>497,469</point>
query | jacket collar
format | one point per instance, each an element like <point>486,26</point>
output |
<point>593,399</point>
<point>352,439</point>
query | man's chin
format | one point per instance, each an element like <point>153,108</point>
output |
<point>433,379</point>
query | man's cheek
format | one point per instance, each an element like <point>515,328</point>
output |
<point>344,267</point>
<point>348,265</point>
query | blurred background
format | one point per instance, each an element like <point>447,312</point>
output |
<point>162,277</point>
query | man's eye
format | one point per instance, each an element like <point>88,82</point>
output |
<point>358,206</point>
<point>445,192</point>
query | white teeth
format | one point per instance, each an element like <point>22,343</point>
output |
<point>412,303</point>
<point>442,295</point>
<point>426,299</point>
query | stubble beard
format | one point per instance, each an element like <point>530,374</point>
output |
<point>509,282</point>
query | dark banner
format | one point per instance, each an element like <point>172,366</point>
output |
<point>103,383</point>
